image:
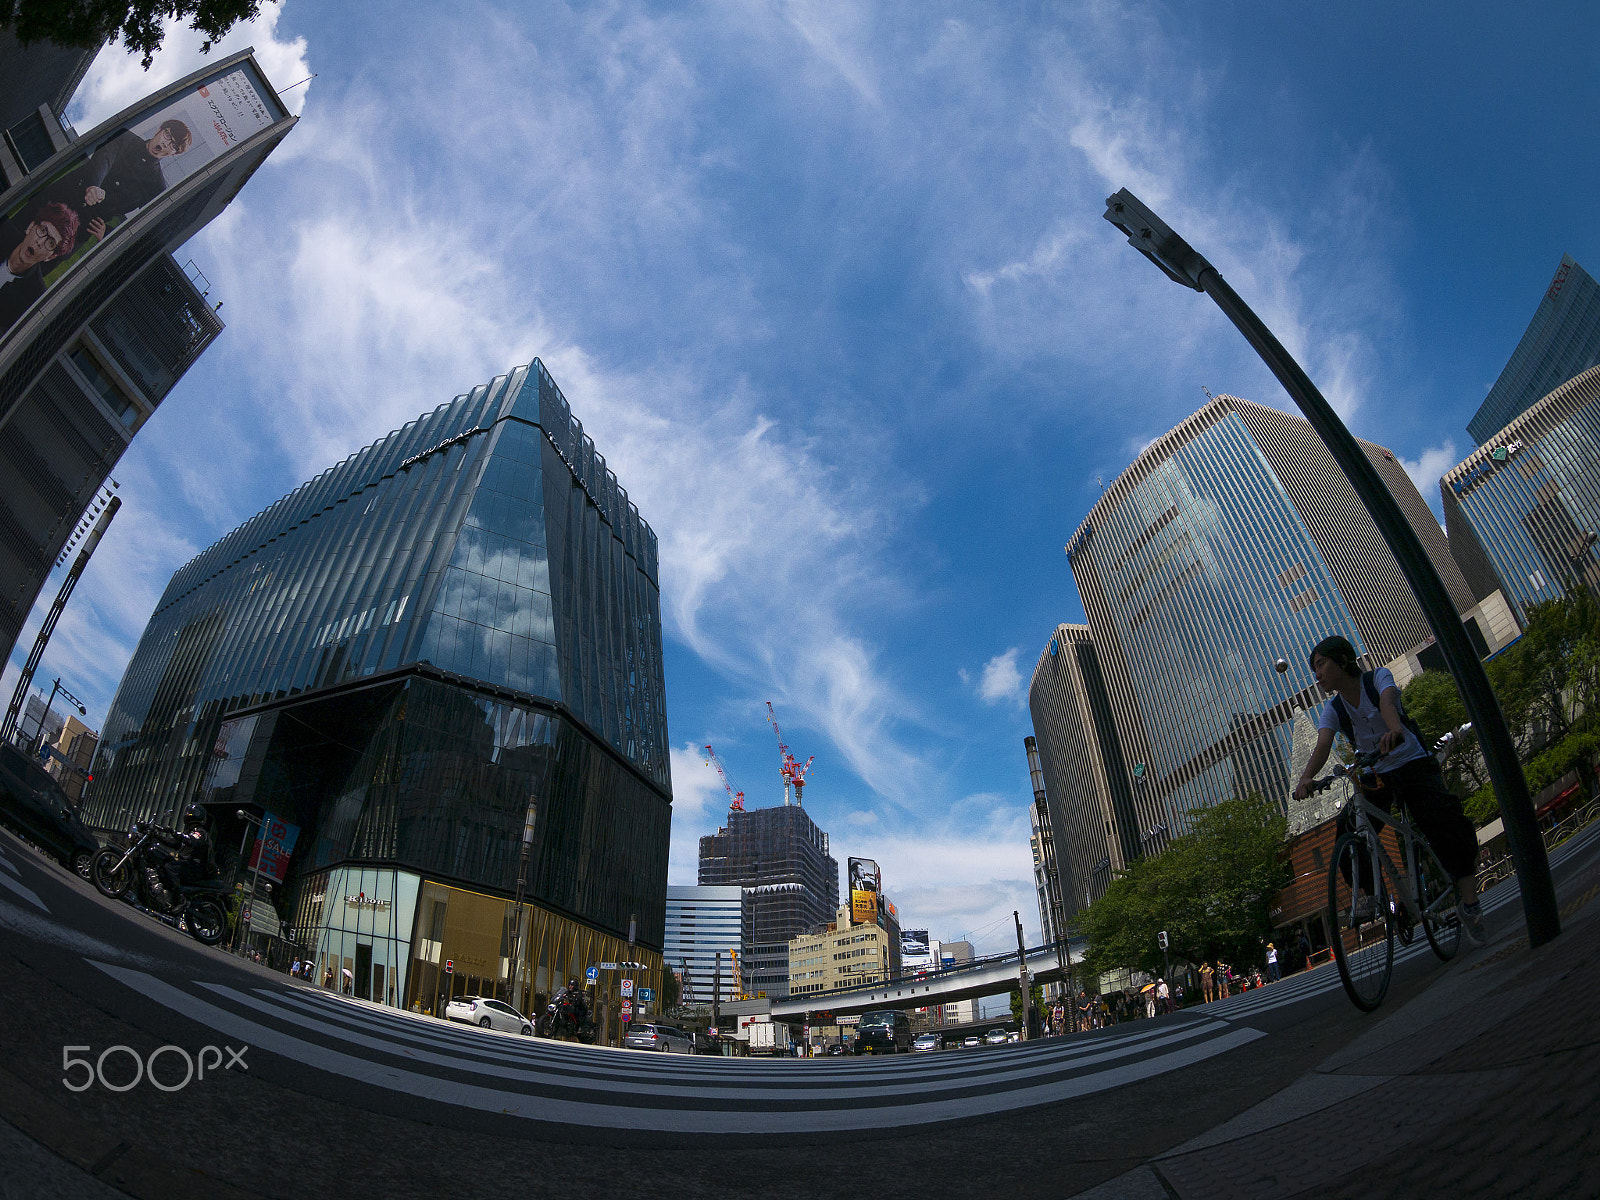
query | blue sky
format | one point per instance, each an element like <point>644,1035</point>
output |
<point>830,288</point>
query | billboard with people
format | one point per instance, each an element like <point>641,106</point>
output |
<point>865,884</point>
<point>67,215</point>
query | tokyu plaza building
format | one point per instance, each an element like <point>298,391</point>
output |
<point>441,661</point>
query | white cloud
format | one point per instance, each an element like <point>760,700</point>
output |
<point>1428,468</point>
<point>1002,679</point>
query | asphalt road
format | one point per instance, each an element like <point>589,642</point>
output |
<point>338,1098</point>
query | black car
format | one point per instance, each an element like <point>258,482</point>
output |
<point>34,806</point>
<point>886,1032</point>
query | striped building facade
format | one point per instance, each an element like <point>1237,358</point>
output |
<point>1523,510</point>
<point>1094,825</point>
<point>1232,541</point>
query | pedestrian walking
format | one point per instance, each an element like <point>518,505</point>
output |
<point>1272,964</point>
<point>1224,980</point>
<point>1163,996</point>
<point>1208,989</point>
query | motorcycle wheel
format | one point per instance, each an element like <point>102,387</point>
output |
<point>207,922</point>
<point>107,877</point>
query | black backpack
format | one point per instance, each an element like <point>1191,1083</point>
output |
<point>1369,685</point>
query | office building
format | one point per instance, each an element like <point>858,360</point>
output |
<point>704,927</point>
<point>1523,510</point>
<point>93,339</point>
<point>1046,883</point>
<point>843,955</point>
<point>1234,540</point>
<point>1095,830</point>
<point>39,723</point>
<point>958,1012</point>
<point>1561,342</point>
<point>70,757</point>
<point>781,857</point>
<point>40,79</point>
<point>449,638</point>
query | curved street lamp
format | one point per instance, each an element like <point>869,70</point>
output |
<point>1182,264</point>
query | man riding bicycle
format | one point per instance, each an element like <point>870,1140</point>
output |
<point>1366,708</point>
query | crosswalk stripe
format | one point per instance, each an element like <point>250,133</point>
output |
<point>556,1083</point>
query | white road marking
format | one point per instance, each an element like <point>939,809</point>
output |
<point>877,1100</point>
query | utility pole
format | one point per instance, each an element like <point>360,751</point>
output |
<point>1022,974</point>
<point>528,823</point>
<point>716,998</point>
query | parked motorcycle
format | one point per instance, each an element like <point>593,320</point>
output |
<point>566,1018</point>
<point>199,905</point>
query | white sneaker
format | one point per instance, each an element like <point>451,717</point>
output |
<point>1472,924</point>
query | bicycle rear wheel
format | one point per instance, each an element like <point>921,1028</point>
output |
<point>1361,921</point>
<point>1436,897</point>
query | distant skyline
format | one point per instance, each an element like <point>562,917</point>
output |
<point>830,288</point>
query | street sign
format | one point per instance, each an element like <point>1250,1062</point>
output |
<point>608,966</point>
<point>592,975</point>
<point>646,995</point>
<point>449,966</point>
<point>627,987</point>
<point>627,1011</point>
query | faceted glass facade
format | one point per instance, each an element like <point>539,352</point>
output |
<point>452,633</point>
<point>1525,509</point>
<point>1561,342</point>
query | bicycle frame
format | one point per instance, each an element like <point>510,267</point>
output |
<point>1363,813</point>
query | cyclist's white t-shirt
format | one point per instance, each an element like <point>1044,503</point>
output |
<point>1367,723</point>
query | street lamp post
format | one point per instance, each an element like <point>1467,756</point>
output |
<point>1181,263</point>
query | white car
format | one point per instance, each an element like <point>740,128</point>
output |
<point>664,1038</point>
<point>490,1014</point>
<point>971,1041</point>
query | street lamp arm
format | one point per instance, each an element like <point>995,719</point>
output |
<point>1181,263</point>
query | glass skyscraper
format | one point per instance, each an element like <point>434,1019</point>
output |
<point>1233,540</point>
<point>449,638</point>
<point>1561,342</point>
<point>1524,510</point>
<point>1088,796</point>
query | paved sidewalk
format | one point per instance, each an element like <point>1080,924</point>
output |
<point>1486,1084</point>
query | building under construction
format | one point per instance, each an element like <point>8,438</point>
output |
<point>781,858</point>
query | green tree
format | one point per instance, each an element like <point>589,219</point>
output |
<point>1434,703</point>
<point>1035,993</point>
<point>91,23</point>
<point>1212,890</point>
<point>671,993</point>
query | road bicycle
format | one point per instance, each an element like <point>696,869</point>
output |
<point>1371,903</point>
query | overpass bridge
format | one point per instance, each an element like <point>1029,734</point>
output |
<point>965,981</point>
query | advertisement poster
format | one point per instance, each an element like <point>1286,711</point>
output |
<point>864,888</point>
<point>915,954</point>
<point>67,216</point>
<point>273,848</point>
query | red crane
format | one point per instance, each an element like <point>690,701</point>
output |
<point>735,797</point>
<point>794,774</point>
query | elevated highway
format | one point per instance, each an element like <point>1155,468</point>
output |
<point>966,981</point>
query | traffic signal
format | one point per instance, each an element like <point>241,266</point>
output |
<point>1161,939</point>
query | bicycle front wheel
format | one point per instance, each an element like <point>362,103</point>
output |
<point>1361,920</point>
<point>1436,897</point>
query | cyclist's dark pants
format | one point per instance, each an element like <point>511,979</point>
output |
<point>1435,812</point>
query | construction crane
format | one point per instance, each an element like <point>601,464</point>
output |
<point>735,796</point>
<point>794,773</point>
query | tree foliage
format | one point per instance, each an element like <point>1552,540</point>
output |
<point>139,23</point>
<point>1434,703</point>
<point>1035,993</point>
<point>1212,890</point>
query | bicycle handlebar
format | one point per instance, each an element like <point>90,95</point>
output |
<point>1361,762</point>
